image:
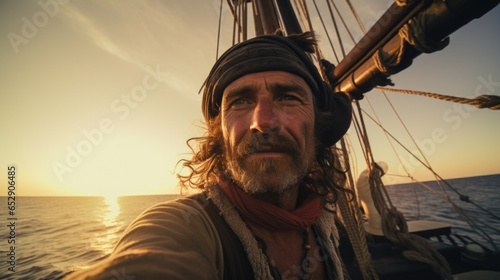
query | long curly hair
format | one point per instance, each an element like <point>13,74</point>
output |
<point>325,177</point>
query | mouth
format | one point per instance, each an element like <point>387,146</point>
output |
<point>268,148</point>
<point>269,152</point>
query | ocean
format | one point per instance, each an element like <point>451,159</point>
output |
<point>56,235</point>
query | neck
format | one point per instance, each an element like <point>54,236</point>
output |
<point>275,214</point>
<point>286,200</point>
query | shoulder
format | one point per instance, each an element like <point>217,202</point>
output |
<point>180,221</point>
<point>182,210</point>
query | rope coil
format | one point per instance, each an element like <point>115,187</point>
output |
<point>395,229</point>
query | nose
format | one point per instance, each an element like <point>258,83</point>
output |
<point>265,118</point>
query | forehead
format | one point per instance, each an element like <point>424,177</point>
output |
<point>270,79</point>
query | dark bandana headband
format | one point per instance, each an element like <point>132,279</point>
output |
<point>276,53</point>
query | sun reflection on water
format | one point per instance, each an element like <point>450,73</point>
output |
<point>111,213</point>
<point>107,236</point>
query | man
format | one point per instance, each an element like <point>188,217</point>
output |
<point>266,171</point>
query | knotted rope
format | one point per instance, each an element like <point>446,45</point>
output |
<point>395,229</point>
<point>491,102</point>
<point>412,34</point>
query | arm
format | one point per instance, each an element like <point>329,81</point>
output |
<point>171,240</point>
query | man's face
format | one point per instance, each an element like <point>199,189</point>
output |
<point>267,123</point>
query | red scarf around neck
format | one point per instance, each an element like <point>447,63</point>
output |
<point>271,216</point>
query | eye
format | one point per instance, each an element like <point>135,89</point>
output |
<point>239,103</point>
<point>290,99</point>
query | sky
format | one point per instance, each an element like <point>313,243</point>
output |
<point>99,97</point>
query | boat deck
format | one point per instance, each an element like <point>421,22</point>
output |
<point>391,265</point>
<point>422,228</point>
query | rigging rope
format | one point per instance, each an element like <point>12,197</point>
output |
<point>351,216</point>
<point>339,38</point>
<point>388,138</point>
<point>326,31</point>
<point>218,31</point>
<point>395,229</point>
<point>414,142</point>
<point>343,22</point>
<point>491,102</point>
<point>394,225</point>
<point>356,16</point>
<point>472,222</point>
<point>440,180</point>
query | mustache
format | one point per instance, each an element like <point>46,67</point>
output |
<point>267,143</point>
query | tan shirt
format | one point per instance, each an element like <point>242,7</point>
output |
<point>171,240</point>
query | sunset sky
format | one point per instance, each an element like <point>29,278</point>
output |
<point>99,97</point>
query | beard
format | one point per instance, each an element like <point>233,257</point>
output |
<point>274,175</point>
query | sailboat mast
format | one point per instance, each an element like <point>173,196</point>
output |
<point>267,17</point>
<point>404,32</point>
<point>288,17</point>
